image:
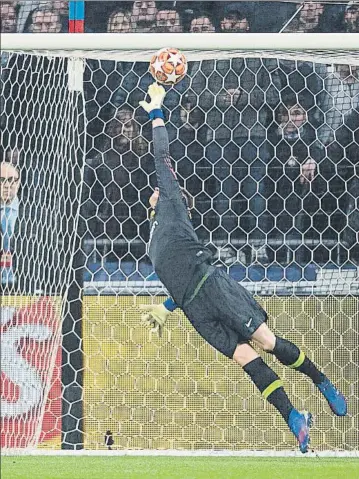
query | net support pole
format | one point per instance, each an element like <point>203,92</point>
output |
<point>72,359</point>
<point>72,349</point>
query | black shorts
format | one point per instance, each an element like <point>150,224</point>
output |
<point>224,313</point>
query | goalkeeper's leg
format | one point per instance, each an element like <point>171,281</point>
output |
<point>272,390</point>
<point>290,355</point>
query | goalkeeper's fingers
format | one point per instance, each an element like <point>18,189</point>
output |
<point>144,105</point>
<point>156,90</point>
<point>147,307</point>
<point>146,316</point>
<point>150,322</point>
<point>157,329</point>
<point>147,320</point>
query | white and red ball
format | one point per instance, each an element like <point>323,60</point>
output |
<point>168,66</point>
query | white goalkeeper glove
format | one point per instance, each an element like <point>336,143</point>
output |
<point>157,94</point>
<point>154,317</point>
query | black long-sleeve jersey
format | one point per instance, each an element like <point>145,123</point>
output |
<point>174,248</point>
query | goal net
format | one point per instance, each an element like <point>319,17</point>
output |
<point>267,144</point>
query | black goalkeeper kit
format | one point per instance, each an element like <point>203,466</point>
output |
<point>223,312</point>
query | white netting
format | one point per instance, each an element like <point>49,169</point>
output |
<point>246,135</point>
<point>43,126</point>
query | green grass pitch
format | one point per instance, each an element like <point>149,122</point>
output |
<point>144,467</point>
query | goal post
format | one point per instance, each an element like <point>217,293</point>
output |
<point>82,269</point>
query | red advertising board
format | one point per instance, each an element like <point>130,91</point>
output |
<point>30,372</point>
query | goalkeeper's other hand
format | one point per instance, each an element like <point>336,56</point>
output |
<point>157,94</point>
<point>154,317</point>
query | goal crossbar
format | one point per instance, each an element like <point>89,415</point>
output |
<point>186,41</point>
<point>325,48</point>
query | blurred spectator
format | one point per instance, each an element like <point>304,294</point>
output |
<point>45,20</point>
<point>61,6</point>
<point>192,122</point>
<point>168,21</point>
<point>339,98</point>
<point>293,170</point>
<point>143,17</point>
<point>26,9</point>
<point>8,18</point>
<point>299,135</point>
<point>202,24</point>
<point>340,172</point>
<point>119,22</point>
<point>308,18</point>
<point>352,175</point>
<point>351,17</point>
<point>245,101</point>
<point>24,14</point>
<point>187,151</point>
<point>124,132</point>
<point>236,18</point>
<point>9,208</point>
<point>113,179</point>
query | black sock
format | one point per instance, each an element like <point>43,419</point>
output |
<point>269,385</point>
<point>290,355</point>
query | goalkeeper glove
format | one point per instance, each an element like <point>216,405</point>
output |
<point>154,108</point>
<point>154,317</point>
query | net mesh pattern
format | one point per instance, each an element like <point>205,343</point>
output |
<point>178,393</point>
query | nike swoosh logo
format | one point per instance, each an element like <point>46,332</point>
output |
<point>249,323</point>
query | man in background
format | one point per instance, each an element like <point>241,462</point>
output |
<point>236,18</point>
<point>9,209</point>
<point>45,20</point>
<point>202,23</point>
<point>113,178</point>
<point>143,16</point>
<point>119,22</point>
<point>168,21</point>
<point>351,17</point>
<point>8,18</point>
<point>25,10</point>
<point>308,18</point>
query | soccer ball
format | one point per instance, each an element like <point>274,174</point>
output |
<point>168,66</point>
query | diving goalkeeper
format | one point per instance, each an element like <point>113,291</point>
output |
<point>223,312</point>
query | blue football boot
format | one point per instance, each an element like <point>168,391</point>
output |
<point>335,398</point>
<point>299,423</point>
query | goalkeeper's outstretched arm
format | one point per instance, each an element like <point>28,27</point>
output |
<point>166,177</point>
